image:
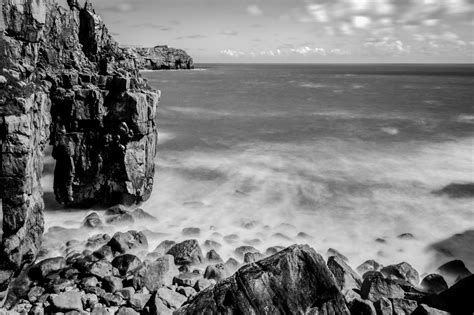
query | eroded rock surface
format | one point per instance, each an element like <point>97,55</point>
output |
<point>63,80</point>
<point>161,58</point>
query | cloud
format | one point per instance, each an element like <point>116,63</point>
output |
<point>285,50</point>
<point>232,53</point>
<point>386,46</point>
<point>254,10</point>
<point>229,33</point>
<point>361,21</point>
<point>306,50</point>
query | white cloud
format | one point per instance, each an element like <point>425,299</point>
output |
<point>306,50</point>
<point>232,53</point>
<point>387,46</point>
<point>254,10</point>
<point>318,12</point>
<point>361,21</point>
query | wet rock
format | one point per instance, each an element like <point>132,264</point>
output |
<point>434,283</point>
<point>216,272</point>
<point>126,293</point>
<point>423,309</point>
<point>304,236</point>
<point>346,278</point>
<point>187,279</point>
<point>140,214</point>
<point>231,265</point>
<point>376,287</point>
<point>89,300</point>
<point>253,242</point>
<point>126,311</point>
<point>273,250</point>
<point>231,238</point>
<point>187,252</point>
<point>104,252</point>
<point>100,269</point>
<point>35,293</point>
<point>213,257</point>
<point>97,241</point>
<point>100,309</point>
<point>202,284</point>
<point>130,242</point>
<point>369,265</point>
<point>164,247</point>
<point>170,298</point>
<point>457,190</point>
<point>191,232</point>
<point>89,282</point>
<point>402,271</point>
<point>186,291</point>
<point>252,257</point>
<point>156,274</point>
<point>403,306</point>
<point>67,301</point>
<point>295,280</point>
<point>112,284</point>
<point>110,299</point>
<point>456,300</point>
<point>138,301</point>
<point>242,250</point>
<point>120,219</point>
<point>212,245</point>
<point>361,307</point>
<point>126,263</point>
<point>383,307</point>
<point>454,271</point>
<point>92,221</point>
<point>459,246</point>
<point>47,267</point>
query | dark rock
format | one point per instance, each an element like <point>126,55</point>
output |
<point>164,247</point>
<point>334,252</point>
<point>202,284</point>
<point>423,309</point>
<point>126,263</point>
<point>112,284</point>
<point>156,274</point>
<point>406,236</point>
<point>458,246</point>
<point>171,299</point>
<point>369,265</point>
<point>97,241</point>
<point>47,267</point>
<point>402,306</point>
<point>187,252</point>
<point>242,250</point>
<point>191,231</point>
<point>110,299</point>
<point>231,265</point>
<point>454,271</point>
<point>361,307</point>
<point>120,219</point>
<point>457,190</point>
<point>383,307</point>
<point>161,58</point>
<point>216,272</point>
<point>402,271</point>
<point>186,291</point>
<point>92,221</point>
<point>296,280</point>
<point>376,287</point>
<point>252,257</point>
<point>273,250</point>
<point>67,301</point>
<point>129,242</point>
<point>346,278</point>
<point>456,300</point>
<point>213,257</point>
<point>126,293</point>
<point>187,279</point>
<point>434,283</point>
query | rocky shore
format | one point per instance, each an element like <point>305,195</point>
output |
<point>121,274</point>
<point>160,58</point>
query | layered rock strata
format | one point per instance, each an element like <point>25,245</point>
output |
<point>161,58</point>
<point>63,80</point>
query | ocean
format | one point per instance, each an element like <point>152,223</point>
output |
<point>334,156</point>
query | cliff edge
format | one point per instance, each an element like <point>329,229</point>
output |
<point>64,81</point>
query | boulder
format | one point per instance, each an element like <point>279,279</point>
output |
<point>361,307</point>
<point>434,283</point>
<point>213,257</point>
<point>369,265</point>
<point>459,247</point>
<point>457,190</point>
<point>164,247</point>
<point>346,278</point>
<point>383,307</point>
<point>191,232</point>
<point>216,272</point>
<point>423,309</point>
<point>156,274</point>
<point>171,299</point>
<point>187,252</point>
<point>100,269</point>
<point>454,271</point>
<point>273,250</point>
<point>376,287</point>
<point>252,257</point>
<point>296,280</point>
<point>112,284</point>
<point>186,279</point>
<point>126,263</point>
<point>202,284</point>
<point>67,301</point>
<point>126,311</point>
<point>403,306</point>
<point>334,252</point>
<point>402,271</point>
<point>138,301</point>
<point>129,242</point>
<point>47,267</point>
<point>140,214</point>
<point>92,221</point>
<point>456,300</point>
<point>242,250</point>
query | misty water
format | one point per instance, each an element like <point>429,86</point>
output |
<point>347,154</point>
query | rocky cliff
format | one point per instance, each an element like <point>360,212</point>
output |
<point>160,58</point>
<point>63,80</point>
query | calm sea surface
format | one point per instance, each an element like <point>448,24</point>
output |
<point>347,154</point>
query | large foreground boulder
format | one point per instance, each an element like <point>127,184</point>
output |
<point>293,281</point>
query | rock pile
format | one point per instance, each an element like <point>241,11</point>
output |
<point>118,274</point>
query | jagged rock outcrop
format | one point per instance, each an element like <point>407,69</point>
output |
<point>160,58</point>
<point>293,281</point>
<point>63,79</point>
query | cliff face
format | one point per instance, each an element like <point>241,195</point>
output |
<point>160,58</point>
<point>63,79</point>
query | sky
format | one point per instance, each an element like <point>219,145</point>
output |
<point>302,31</point>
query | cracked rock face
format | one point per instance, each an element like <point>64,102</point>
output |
<point>161,58</point>
<point>63,80</point>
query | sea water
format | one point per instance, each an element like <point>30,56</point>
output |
<point>347,154</point>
